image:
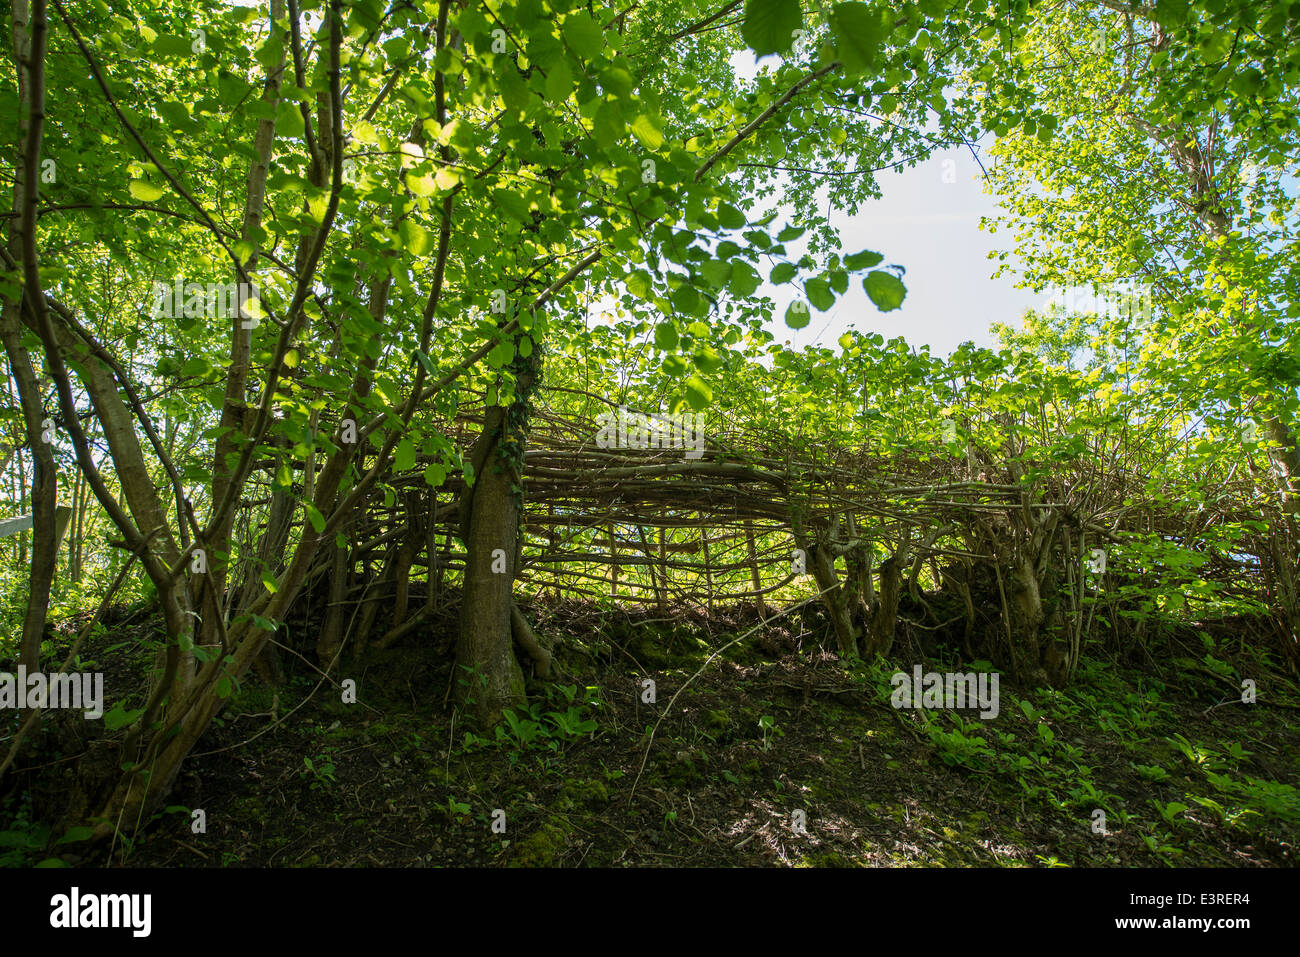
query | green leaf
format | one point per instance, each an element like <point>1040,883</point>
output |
<point>315,517</point>
<point>502,353</point>
<point>515,206</point>
<point>514,91</point>
<point>435,475</point>
<point>707,360</point>
<point>666,337</point>
<point>617,81</point>
<point>729,217</point>
<point>687,300</point>
<point>783,272</point>
<point>172,45</point>
<point>744,280</point>
<point>859,30</point>
<point>797,314</point>
<point>559,82</point>
<point>647,131</point>
<point>425,361</point>
<point>607,124</point>
<point>422,185</point>
<point>271,53</point>
<point>698,395</point>
<point>583,34</point>
<point>118,716</point>
<point>364,132</point>
<point>404,456</point>
<point>415,238</point>
<point>471,23</point>
<point>674,366</point>
<point>76,834</point>
<point>863,260</point>
<point>885,289</point>
<point>145,192</point>
<point>268,580</point>
<point>639,284</point>
<point>769,25</point>
<point>288,120</point>
<point>819,293</point>
<point>716,272</point>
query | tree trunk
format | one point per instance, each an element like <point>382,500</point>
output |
<point>751,552</point>
<point>663,572</point>
<point>708,565</point>
<point>821,562</point>
<point>884,618</point>
<point>45,477</point>
<point>613,565</point>
<point>331,633</point>
<point>234,409</point>
<point>485,654</point>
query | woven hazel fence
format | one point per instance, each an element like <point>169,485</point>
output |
<point>760,520</point>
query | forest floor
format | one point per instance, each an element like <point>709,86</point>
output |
<point>1184,772</point>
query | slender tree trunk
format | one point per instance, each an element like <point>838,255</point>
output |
<point>884,619</point>
<point>44,493</point>
<point>755,579</point>
<point>22,509</point>
<point>485,655</point>
<point>613,565</point>
<point>402,575</point>
<point>76,545</point>
<point>834,596</point>
<point>235,407</point>
<point>663,571</point>
<point>708,566</point>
